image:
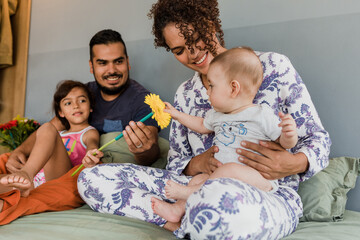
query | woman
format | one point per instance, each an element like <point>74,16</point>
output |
<point>222,208</point>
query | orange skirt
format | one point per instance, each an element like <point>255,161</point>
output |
<point>55,195</point>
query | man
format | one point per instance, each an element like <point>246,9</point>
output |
<point>119,101</point>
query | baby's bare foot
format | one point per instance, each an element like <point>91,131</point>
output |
<point>18,180</point>
<point>177,191</point>
<point>168,211</point>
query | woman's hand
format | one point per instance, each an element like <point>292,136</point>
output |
<point>274,162</point>
<point>16,161</point>
<point>203,163</point>
<point>92,158</point>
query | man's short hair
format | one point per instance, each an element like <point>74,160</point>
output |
<point>106,36</point>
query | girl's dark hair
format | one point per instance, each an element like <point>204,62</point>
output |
<point>62,90</point>
<point>202,15</point>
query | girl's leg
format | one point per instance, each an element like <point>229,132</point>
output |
<point>243,173</point>
<point>49,153</point>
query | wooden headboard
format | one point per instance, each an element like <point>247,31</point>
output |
<point>13,79</point>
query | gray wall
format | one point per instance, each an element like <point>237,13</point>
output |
<point>321,38</point>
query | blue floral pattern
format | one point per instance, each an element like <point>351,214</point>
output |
<point>223,208</point>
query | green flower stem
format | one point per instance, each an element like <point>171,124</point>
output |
<point>112,141</point>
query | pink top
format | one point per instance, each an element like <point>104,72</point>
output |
<point>74,144</point>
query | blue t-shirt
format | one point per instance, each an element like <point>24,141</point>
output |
<point>114,116</point>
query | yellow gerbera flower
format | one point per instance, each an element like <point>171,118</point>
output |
<point>157,106</point>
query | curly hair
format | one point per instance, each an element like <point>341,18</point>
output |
<point>201,15</point>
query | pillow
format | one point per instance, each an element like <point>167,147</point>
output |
<point>118,152</point>
<point>324,195</point>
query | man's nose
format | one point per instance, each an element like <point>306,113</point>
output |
<point>111,68</point>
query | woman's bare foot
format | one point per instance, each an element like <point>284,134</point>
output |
<point>177,191</point>
<point>170,212</point>
<point>19,180</point>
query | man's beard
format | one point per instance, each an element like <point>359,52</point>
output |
<point>114,90</point>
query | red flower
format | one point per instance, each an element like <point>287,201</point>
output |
<point>9,125</point>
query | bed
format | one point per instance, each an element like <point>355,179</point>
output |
<point>324,197</point>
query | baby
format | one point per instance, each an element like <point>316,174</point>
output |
<point>234,78</point>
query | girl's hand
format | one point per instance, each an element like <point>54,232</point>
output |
<point>90,160</point>
<point>203,163</point>
<point>16,161</point>
<point>288,125</point>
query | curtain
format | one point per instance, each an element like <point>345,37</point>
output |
<point>7,9</point>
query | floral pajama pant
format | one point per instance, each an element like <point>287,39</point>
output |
<point>222,209</point>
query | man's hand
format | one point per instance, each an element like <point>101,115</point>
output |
<point>16,161</point>
<point>203,163</point>
<point>142,142</point>
<point>274,162</point>
<point>92,158</point>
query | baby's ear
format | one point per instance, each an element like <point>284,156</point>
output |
<point>235,87</point>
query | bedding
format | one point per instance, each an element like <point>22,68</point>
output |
<point>324,197</point>
<point>83,223</point>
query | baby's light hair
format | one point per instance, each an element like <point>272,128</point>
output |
<point>243,65</point>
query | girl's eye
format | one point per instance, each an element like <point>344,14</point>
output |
<point>82,100</point>
<point>67,103</point>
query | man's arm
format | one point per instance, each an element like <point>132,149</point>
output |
<point>143,142</point>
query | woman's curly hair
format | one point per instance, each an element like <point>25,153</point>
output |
<point>202,15</point>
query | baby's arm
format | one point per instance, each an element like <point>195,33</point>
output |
<point>289,136</point>
<point>193,122</point>
<point>91,140</point>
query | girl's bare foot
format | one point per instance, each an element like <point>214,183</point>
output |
<point>19,180</point>
<point>177,191</point>
<point>170,212</point>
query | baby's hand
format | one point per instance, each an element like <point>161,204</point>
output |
<point>171,110</point>
<point>288,125</point>
<point>92,158</point>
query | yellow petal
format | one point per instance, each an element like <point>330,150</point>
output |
<point>158,106</point>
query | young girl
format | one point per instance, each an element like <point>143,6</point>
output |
<point>234,78</point>
<point>54,153</point>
